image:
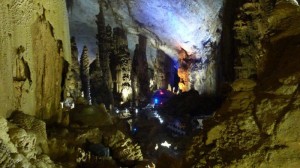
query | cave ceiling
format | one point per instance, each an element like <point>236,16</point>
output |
<point>169,24</point>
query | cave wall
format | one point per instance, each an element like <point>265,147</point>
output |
<point>33,47</point>
<point>259,119</point>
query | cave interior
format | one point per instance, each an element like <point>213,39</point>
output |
<point>161,83</point>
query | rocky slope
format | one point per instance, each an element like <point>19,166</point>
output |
<point>257,125</point>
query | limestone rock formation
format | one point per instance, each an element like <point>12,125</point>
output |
<point>104,42</point>
<point>73,82</point>
<point>139,73</point>
<point>6,156</point>
<point>164,71</point>
<point>123,148</point>
<point>24,142</point>
<point>169,25</point>
<point>183,71</point>
<point>34,46</point>
<point>38,127</point>
<point>121,64</point>
<point>99,88</point>
<point>255,127</point>
<point>19,145</point>
<point>85,74</point>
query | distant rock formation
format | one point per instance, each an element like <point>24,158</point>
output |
<point>121,64</point>
<point>72,86</point>
<point>164,75</point>
<point>139,74</point>
<point>104,38</point>
<point>183,70</point>
<point>85,74</point>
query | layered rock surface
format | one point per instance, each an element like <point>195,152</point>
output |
<point>34,45</point>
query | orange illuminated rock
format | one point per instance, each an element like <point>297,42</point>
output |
<point>183,71</point>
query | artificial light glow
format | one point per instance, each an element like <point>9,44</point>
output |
<point>72,105</point>
<point>155,101</point>
<point>156,147</point>
<point>156,115</point>
<point>125,93</point>
<point>151,84</point>
<point>136,111</point>
<point>165,144</point>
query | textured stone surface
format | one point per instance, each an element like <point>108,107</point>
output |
<point>36,126</point>
<point>19,147</point>
<point>34,42</point>
<point>257,124</point>
<point>123,148</point>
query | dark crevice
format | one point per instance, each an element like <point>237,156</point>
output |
<point>22,67</point>
<point>69,4</point>
<point>259,125</point>
<point>27,71</point>
<point>63,80</point>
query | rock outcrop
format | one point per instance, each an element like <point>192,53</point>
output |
<point>164,72</point>
<point>85,74</point>
<point>20,145</point>
<point>123,148</point>
<point>36,126</point>
<point>72,87</point>
<point>34,45</point>
<point>139,72</point>
<point>256,126</point>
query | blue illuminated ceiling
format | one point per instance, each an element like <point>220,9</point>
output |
<point>179,23</point>
<point>169,24</point>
